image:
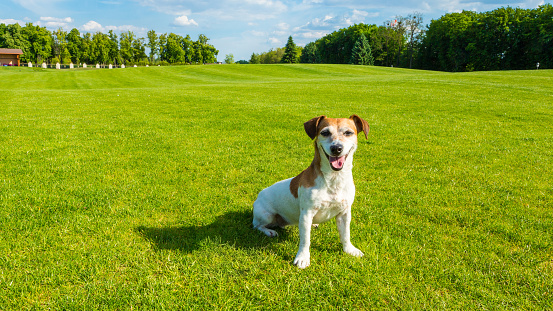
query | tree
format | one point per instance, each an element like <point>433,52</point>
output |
<point>255,59</point>
<point>309,53</point>
<point>113,53</point>
<point>163,47</point>
<point>448,42</point>
<point>398,35</point>
<point>125,46</point>
<point>75,45</point>
<point>59,43</point>
<point>187,46</point>
<point>100,48</point>
<point>3,35</point>
<point>11,37</point>
<point>14,37</point>
<point>209,53</point>
<point>361,53</point>
<point>290,52</point>
<point>229,59</point>
<point>65,57</point>
<point>173,49</point>
<point>271,57</point>
<point>413,21</point>
<point>196,55</point>
<point>40,43</point>
<point>336,48</point>
<point>153,45</point>
<point>86,51</point>
<point>203,52</point>
<point>138,50</point>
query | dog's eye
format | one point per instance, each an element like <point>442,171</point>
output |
<point>325,133</point>
<point>349,133</point>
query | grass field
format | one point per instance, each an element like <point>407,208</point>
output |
<point>132,188</point>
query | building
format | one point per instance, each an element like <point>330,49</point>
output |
<point>10,57</point>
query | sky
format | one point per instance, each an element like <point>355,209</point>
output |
<point>237,27</point>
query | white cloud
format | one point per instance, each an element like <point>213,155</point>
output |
<point>55,19</point>
<point>531,4</point>
<point>124,28</point>
<point>329,22</point>
<point>360,13</point>
<point>313,34</point>
<point>171,7</point>
<point>274,41</point>
<point>206,12</point>
<point>256,33</point>
<point>317,23</point>
<point>273,5</point>
<point>456,6</point>
<point>426,7</point>
<point>39,7</point>
<point>358,17</point>
<point>282,29</point>
<point>283,26</point>
<point>10,21</point>
<point>184,21</point>
<point>54,22</point>
<point>92,26</point>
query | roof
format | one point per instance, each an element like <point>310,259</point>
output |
<point>11,51</point>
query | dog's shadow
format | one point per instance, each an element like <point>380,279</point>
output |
<point>233,228</point>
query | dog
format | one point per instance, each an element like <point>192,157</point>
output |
<point>319,193</point>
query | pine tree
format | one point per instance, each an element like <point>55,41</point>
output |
<point>290,53</point>
<point>362,53</point>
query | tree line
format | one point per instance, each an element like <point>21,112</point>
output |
<point>381,45</point>
<point>505,38</point>
<point>41,45</point>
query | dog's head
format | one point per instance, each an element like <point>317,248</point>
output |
<point>336,139</point>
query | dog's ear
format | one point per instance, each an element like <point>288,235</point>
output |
<point>361,125</point>
<point>312,125</point>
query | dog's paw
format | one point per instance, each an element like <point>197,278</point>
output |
<point>353,251</point>
<point>302,261</point>
<point>268,232</point>
<point>271,233</point>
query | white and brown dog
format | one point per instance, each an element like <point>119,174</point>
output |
<point>321,192</point>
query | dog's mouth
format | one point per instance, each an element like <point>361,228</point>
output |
<point>336,163</point>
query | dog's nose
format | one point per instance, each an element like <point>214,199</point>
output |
<point>336,149</point>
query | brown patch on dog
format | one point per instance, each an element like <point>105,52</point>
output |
<point>312,126</point>
<point>360,125</point>
<point>279,221</point>
<point>306,179</point>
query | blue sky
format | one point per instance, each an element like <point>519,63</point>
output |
<point>240,27</point>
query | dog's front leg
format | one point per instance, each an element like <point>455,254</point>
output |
<point>342,222</point>
<point>302,259</point>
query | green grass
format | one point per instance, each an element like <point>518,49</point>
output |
<point>132,188</point>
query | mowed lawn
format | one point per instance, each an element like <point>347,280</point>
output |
<point>132,188</point>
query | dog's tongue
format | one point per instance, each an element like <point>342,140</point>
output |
<point>337,162</point>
